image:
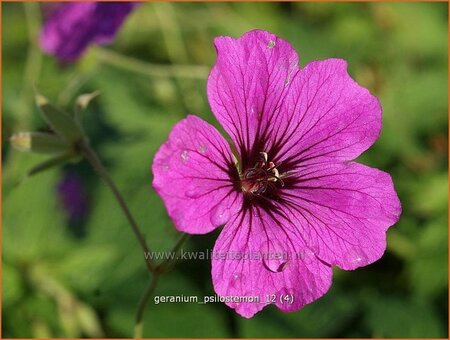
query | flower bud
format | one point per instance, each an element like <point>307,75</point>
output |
<point>84,100</point>
<point>61,122</point>
<point>38,142</point>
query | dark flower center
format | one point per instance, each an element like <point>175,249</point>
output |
<point>262,177</point>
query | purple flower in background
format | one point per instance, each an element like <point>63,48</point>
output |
<point>73,197</point>
<point>75,25</point>
<point>291,200</point>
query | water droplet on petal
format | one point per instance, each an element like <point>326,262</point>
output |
<point>220,215</point>
<point>202,149</point>
<point>314,248</point>
<point>185,156</point>
<point>165,167</point>
<point>271,44</point>
<point>274,265</point>
<point>236,279</point>
<point>311,278</point>
<point>306,255</point>
<point>274,257</point>
<point>356,257</point>
<point>193,192</point>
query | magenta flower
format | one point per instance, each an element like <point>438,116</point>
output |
<point>73,26</point>
<point>291,201</point>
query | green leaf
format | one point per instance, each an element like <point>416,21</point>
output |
<point>62,123</point>
<point>430,195</point>
<point>396,317</point>
<point>429,268</point>
<point>322,318</point>
<point>192,320</point>
<point>33,223</point>
<point>12,285</point>
<point>88,268</point>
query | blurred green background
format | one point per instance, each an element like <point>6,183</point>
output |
<point>65,277</point>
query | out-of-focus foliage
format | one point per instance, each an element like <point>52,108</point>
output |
<point>66,278</point>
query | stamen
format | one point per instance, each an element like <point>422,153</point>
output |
<point>265,156</point>
<point>263,175</point>
<point>275,172</point>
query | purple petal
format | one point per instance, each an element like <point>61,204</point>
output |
<point>258,258</point>
<point>343,211</point>
<point>326,116</point>
<point>263,101</point>
<point>192,175</point>
<point>75,25</point>
<point>248,83</point>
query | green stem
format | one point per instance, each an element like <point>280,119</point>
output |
<point>156,270</point>
<point>33,61</point>
<point>93,159</point>
<point>160,269</point>
<point>151,70</point>
<point>139,325</point>
<point>175,47</point>
<point>167,263</point>
<point>73,86</point>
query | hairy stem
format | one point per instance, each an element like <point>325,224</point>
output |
<point>93,159</point>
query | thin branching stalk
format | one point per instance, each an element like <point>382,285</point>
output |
<point>160,269</point>
<point>155,270</point>
<point>94,160</point>
<point>139,325</point>
<point>151,70</point>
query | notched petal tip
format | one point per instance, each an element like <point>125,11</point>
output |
<point>248,83</point>
<point>342,68</point>
<point>266,264</point>
<point>395,205</point>
<point>262,38</point>
<point>345,209</point>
